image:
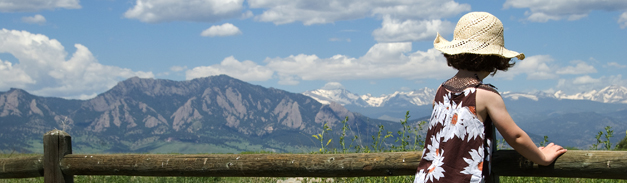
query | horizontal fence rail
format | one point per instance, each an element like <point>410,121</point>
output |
<point>22,167</point>
<point>245,165</point>
<point>575,164</point>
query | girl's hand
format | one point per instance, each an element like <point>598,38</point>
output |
<point>551,152</point>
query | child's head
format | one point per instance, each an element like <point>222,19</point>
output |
<point>476,62</point>
<point>477,44</point>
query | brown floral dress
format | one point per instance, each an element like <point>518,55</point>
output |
<point>457,147</point>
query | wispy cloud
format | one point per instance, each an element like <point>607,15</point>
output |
<point>155,11</point>
<point>335,39</point>
<point>579,68</point>
<point>543,11</point>
<point>36,19</point>
<point>615,65</point>
<point>394,30</point>
<point>622,20</point>
<point>588,83</point>
<point>246,70</point>
<point>321,12</point>
<point>37,5</point>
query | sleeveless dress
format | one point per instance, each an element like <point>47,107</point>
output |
<point>457,145</point>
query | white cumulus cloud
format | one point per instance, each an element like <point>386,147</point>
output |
<point>246,70</point>
<point>333,86</point>
<point>585,80</point>
<point>394,30</point>
<point>383,60</point>
<point>41,67</point>
<point>36,19</point>
<point>536,67</point>
<point>542,67</point>
<point>321,12</point>
<point>36,5</point>
<point>154,11</point>
<point>542,10</point>
<point>13,77</point>
<point>226,29</point>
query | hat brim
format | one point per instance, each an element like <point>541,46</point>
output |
<point>468,46</point>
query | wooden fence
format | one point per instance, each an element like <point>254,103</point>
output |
<point>58,164</point>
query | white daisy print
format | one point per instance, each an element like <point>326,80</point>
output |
<point>469,91</point>
<point>420,177</point>
<point>435,171</point>
<point>454,125</point>
<point>433,148</point>
<point>441,111</point>
<point>487,158</point>
<point>474,127</point>
<point>475,165</point>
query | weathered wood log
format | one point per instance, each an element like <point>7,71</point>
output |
<point>22,167</point>
<point>57,144</point>
<point>245,165</point>
<point>576,164</point>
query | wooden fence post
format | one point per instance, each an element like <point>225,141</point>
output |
<point>57,144</point>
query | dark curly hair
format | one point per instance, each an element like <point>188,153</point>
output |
<point>476,62</point>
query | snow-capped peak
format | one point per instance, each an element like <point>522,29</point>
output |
<point>610,94</point>
<point>335,92</point>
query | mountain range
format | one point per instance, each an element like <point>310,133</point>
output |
<point>571,120</point>
<point>424,96</point>
<point>221,114</point>
<point>217,114</point>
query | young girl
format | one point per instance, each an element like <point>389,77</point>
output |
<point>458,145</point>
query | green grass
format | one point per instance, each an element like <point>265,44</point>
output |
<point>557,180</point>
<point>138,179</point>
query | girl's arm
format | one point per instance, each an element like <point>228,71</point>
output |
<point>492,104</point>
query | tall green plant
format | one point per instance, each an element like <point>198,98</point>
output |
<point>604,144</point>
<point>622,145</point>
<point>343,134</point>
<point>320,137</point>
<point>608,134</point>
<point>544,141</point>
<point>378,142</point>
<point>405,136</point>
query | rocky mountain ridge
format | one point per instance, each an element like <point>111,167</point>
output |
<point>140,115</point>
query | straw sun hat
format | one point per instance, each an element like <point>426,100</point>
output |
<point>478,33</point>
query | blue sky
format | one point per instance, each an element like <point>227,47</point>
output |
<point>78,49</point>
